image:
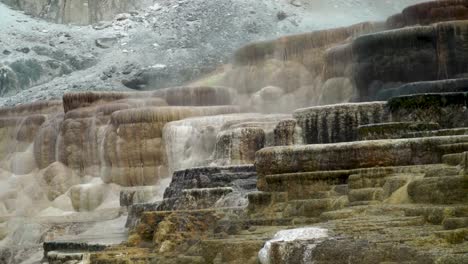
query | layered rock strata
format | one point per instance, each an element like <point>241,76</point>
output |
<point>379,182</point>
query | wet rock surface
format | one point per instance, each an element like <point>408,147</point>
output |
<point>141,177</point>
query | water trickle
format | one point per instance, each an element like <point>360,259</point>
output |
<point>191,142</point>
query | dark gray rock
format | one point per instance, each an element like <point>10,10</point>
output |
<point>24,50</point>
<point>388,59</point>
<point>136,211</point>
<point>106,43</point>
<point>442,86</point>
<point>393,130</point>
<point>210,177</point>
<point>338,123</point>
<point>449,110</point>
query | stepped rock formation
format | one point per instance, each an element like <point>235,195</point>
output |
<point>190,175</point>
<point>430,12</point>
<point>357,62</point>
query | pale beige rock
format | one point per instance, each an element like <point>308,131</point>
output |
<point>87,197</point>
<point>57,179</point>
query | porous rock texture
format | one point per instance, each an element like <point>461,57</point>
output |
<point>371,182</point>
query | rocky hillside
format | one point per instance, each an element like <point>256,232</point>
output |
<point>153,46</point>
<point>82,12</point>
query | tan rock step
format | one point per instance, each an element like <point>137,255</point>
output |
<point>258,222</point>
<point>279,182</point>
<point>390,183</point>
<point>454,148</point>
<point>455,236</point>
<point>363,203</point>
<point>231,250</point>
<point>438,133</point>
<point>64,257</point>
<point>313,207</point>
<point>442,171</point>
<point>393,130</point>
<point>437,214</point>
<point>384,222</point>
<point>200,198</point>
<point>263,199</point>
<point>380,172</point>
<point>455,223</point>
<point>347,156</point>
<point>199,211</point>
<point>452,159</point>
<point>366,194</point>
<point>439,190</point>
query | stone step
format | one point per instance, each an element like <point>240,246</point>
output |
<point>210,177</point>
<point>313,207</point>
<point>152,218</point>
<point>349,156</point>
<point>437,214</point>
<point>65,257</point>
<point>442,172</point>
<point>283,182</point>
<point>364,203</point>
<point>263,199</point>
<point>438,133</point>
<point>455,223</point>
<point>366,222</point>
<point>439,190</point>
<point>422,87</point>
<point>200,198</point>
<point>136,211</point>
<point>71,249</point>
<point>393,130</point>
<point>389,183</point>
<point>454,148</point>
<point>455,236</point>
<point>452,159</point>
<point>247,223</point>
<point>366,194</point>
<point>231,250</point>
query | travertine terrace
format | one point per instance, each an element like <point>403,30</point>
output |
<point>345,145</point>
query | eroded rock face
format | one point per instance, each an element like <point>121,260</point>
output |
<point>345,156</point>
<point>430,53</point>
<point>237,141</point>
<point>449,110</point>
<point>338,123</point>
<point>295,64</point>
<point>430,12</point>
<point>131,162</point>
